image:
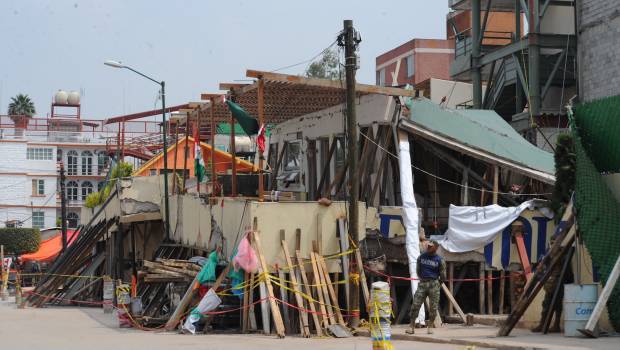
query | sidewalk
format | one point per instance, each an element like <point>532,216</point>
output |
<point>519,339</point>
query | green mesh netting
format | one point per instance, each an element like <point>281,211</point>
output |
<point>599,128</point>
<point>596,127</point>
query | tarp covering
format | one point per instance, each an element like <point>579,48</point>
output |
<point>482,132</point>
<point>471,228</point>
<point>50,248</point>
<point>410,217</point>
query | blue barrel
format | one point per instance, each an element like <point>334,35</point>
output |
<point>579,302</point>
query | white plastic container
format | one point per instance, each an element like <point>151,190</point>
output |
<point>579,301</point>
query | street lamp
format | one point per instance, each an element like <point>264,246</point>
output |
<point>162,84</point>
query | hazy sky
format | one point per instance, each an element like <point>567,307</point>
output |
<point>192,45</point>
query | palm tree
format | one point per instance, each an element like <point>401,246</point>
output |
<point>21,109</point>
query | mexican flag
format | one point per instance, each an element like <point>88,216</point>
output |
<point>199,164</point>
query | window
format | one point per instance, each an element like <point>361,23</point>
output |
<point>87,188</point>
<point>87,163</point>
<point>292,159</point>
<point>410,66</point>
<point>153,172</point>
<point>102,162</point>
<point>381,77</point>
<point>72,191</point>
<point>73,220</point>
<point>38,187</point>
<point>100,185</point>
<point>39,154</point>
<point>72,163</point>
<point>339,155</point>
<point>38,219</point>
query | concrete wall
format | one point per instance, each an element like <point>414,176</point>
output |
<point>599,48</point>
<point>236,216</point>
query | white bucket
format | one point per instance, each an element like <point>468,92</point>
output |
<point>579,301</point>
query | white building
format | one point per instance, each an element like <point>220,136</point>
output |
<point>32,150</point>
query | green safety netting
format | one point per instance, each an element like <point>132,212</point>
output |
<point>596,127</point>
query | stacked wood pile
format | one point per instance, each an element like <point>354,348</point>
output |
<point>168,270</point>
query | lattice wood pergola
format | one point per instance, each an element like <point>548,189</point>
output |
<point>274,98</point>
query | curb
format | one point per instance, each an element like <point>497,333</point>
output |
<point>453,341</point>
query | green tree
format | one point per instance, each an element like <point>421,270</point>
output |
<point>21,105</point>
<point>327,67</point>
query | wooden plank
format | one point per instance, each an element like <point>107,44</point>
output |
<point>481,288</point>
<point>330,289</point>
<point>451,285</point>
<point>452,301</point>
<point>277,317</point>
<point>322,292</point>
<point>308,290</point>
<point>244,313</point>
<point>526,298</point>
<point>327,83</point>
<point>590,329</point>
<point>502,291</point>
<point>305,331</point>
<point>326,163</point>
<point>285,307</point>
<point>187,298</point>
<point>489,292</point>
<point>251,313</point>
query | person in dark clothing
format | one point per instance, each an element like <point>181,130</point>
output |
<point>431,269</point>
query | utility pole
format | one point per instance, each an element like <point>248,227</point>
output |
<point>63,207</point>
<point>349,38</point>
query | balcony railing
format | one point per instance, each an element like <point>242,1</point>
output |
<point>491,39</point>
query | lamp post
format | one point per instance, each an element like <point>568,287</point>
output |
<point>162,84</point>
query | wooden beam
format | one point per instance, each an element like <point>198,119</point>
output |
<point>308,291</point>
<point>305,331</point>
<point>319,281</point>
<point>590,329</point>
<point>261,123</point>
<point>327,83</point>
<point>209,96</point>
<point>330,289</point>
<point>452,300</point>
<point>231,86</point>
<point>277,317</point>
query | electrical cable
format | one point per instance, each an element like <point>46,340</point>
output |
<point>306,61</point>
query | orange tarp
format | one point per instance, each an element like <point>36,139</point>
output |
<point>222,160</point>
<point>50,248</point>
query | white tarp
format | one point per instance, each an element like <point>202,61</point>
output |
<point>410,216</point>
<point>471,228</point>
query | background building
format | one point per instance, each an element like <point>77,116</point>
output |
<point>32,148</point>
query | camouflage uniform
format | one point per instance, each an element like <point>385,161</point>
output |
<point>428,288</point>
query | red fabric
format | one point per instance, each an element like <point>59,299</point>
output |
<point>50,248</point>
<point>260,139</point>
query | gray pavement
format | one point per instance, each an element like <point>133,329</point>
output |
<point>69,328</point>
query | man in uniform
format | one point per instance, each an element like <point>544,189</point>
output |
<point>431,269</point>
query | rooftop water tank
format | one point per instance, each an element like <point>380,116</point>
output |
<point>74,98</point>
<point>61,97</point>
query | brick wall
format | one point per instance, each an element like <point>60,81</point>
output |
<point>599,48</point>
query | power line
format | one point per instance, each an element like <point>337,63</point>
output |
<point>306,61</point>
<point>450,181</point>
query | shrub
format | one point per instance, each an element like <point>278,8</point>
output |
<point>122,169</point>
<point>20,240</point>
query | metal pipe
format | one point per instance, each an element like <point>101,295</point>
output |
<point>476,74</point>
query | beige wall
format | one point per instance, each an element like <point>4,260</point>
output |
<point>312,219</point>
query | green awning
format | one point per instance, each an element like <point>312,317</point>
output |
<point>482,134</point>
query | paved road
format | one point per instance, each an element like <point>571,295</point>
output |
<point>69,328</point>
